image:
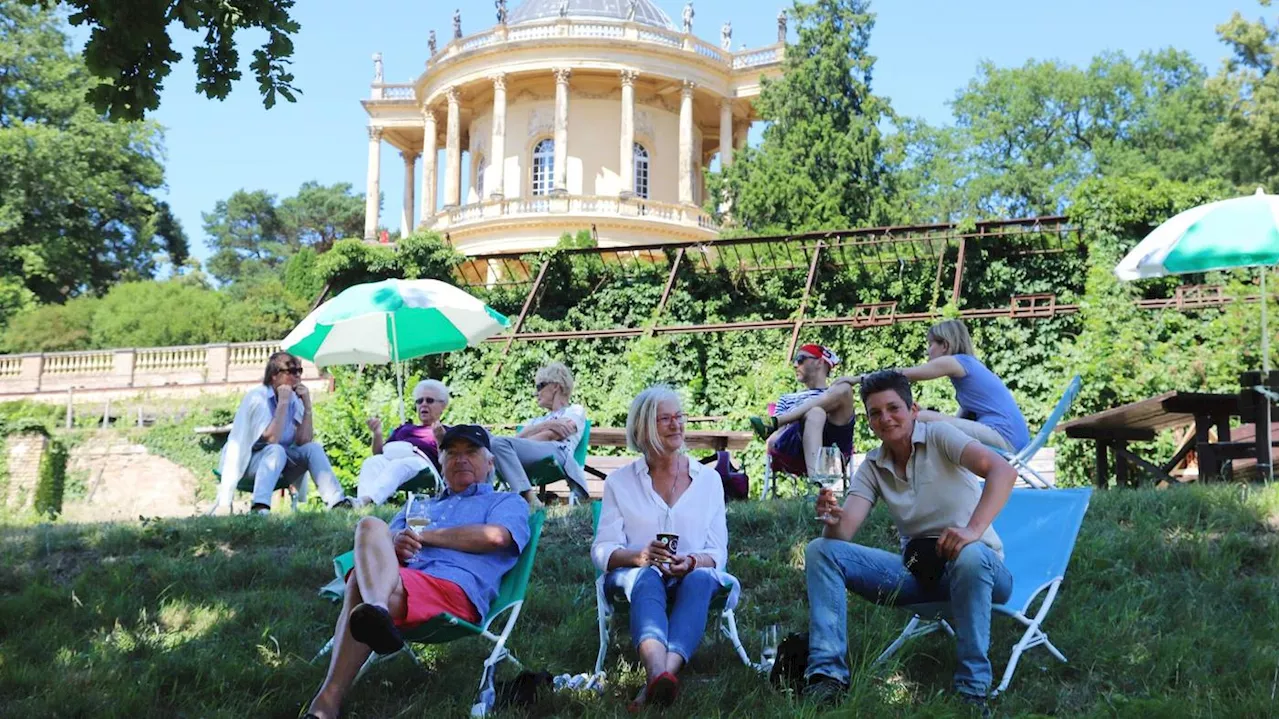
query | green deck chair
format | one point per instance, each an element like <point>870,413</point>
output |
<point>246,485</point>
<point>545,471</point>
<point>445,627</point>
<point>427,481</point>
<point>608,607</point>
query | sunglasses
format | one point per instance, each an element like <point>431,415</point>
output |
<point>295,371</point>
<point>540,386</point>
<point>801,359</point>
<point>427,400</point>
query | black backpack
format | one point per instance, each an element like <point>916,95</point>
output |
<point>789,666</point>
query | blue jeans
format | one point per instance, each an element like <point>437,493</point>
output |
<point>972,583</point>
<point>672,611</point>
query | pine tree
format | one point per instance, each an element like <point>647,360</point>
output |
<point>821,162</point>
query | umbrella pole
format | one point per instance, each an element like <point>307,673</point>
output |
<point>395,357</point>
<point>1266,356</point>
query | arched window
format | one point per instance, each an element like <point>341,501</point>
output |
<point>642,170</point>
<point>544,163</point>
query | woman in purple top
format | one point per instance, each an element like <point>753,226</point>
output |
<point>409,450</point>
<point>988,412</point>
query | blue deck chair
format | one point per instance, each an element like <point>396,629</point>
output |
<point>1021,461</point>
<point>1039,531</point>
<point>609,607</point>
<point>445,627</point>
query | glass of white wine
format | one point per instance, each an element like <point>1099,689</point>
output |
<point>769,647</point>
<point>417,514</point>
<point>830,470</point>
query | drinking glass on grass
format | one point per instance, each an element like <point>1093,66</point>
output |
<point>417,512</point>
<point>830,471</point>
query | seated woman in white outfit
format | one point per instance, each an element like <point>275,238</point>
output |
<point>664,492</point>
<point>555,434</point>
<point>408,450</point>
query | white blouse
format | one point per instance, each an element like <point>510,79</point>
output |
<point>633,514</point>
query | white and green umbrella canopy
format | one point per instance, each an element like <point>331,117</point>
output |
<point>1240,232</point>
<point>393,321</point>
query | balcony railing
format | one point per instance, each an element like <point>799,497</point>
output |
<point>585,28</point>
<point>115,369</point>
<point>581,205</point>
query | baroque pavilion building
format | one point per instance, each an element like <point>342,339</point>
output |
<point>566,115</point>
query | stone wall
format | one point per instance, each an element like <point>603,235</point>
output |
<point>23,453</point>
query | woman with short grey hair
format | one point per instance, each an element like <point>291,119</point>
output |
<point>555,434</point>
<point>409,449</point>
<point>662,541</point>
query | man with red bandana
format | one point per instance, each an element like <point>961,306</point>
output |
<point>806,421</point>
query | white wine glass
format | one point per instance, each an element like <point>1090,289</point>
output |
<point>769,647</point>
<point>830,470</point>
<point>417,514</point>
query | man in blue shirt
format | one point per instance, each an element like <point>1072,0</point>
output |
<point>402,578</point>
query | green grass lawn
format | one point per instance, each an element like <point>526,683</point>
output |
<point>1169,609</point>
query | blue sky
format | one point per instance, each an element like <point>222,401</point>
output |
<point>926,50</point>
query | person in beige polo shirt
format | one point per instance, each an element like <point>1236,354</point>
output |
<point>926,474</point>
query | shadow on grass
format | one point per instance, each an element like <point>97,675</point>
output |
<point>1169,608</point>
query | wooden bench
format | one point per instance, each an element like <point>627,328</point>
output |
<point>1114,428</point>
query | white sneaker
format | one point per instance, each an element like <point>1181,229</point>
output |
<point>361,502</point>
<point>262,511</point>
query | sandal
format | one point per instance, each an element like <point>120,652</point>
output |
<point>372,625</point>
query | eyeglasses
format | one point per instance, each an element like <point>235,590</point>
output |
<point>672,418</point>
<point>427,400</point>
<point>295,371</point>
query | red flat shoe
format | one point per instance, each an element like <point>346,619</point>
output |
<point>661,692</point>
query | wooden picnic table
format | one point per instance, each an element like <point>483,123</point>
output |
<point>1113,429</point>
<point>707,439</point>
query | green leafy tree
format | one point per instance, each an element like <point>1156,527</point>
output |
<point>1246,140</point>
<point>53,328</point>
<point>250,232</point>
<point>821,161</point>
<point>130,51</point>
<point>1035,132</point>
<point>159,314</point>
<point>246,235</point>
<point>77,209</point>
<point>320,215</point>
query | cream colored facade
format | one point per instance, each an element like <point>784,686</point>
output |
<point>593,83</point>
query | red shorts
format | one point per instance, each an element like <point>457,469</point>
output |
<point>427,596</point>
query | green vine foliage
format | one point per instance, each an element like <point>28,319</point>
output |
<point>52,479</point>
<point>1124,353</point>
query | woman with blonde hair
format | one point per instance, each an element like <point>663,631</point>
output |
<point>988,412</point>
<point>555,434</point>
<point>661,496</point>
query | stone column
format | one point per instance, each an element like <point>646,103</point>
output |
<point>626,145</point>
<point>428,165</point>
<point>560,174</point>
<point>406,213</point>
<point>726,132</point>
<point>371,196</point>
<point>686,142</point>
<point>452,153</point>
<point>498,143</point>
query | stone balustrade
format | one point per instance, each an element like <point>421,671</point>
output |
<point>595,28</point>
<point>195,366</point>
<point>578,205</point>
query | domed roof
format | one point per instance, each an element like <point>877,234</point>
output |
<point>646,12</point>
